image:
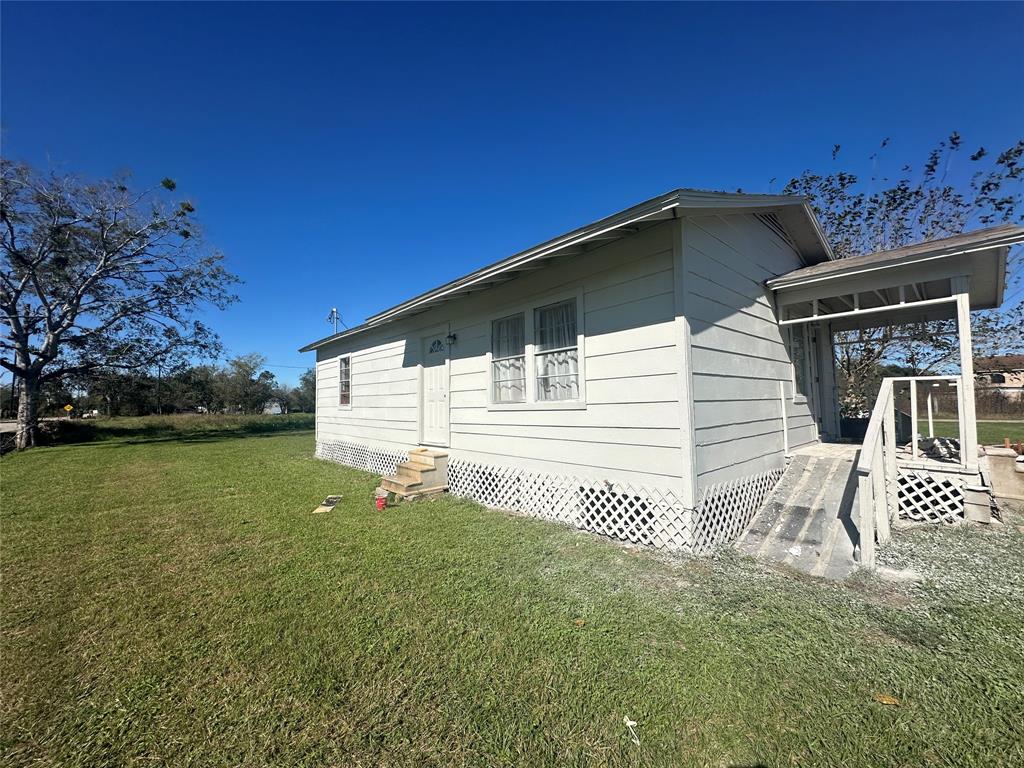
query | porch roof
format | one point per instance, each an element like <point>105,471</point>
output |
<point>910,284</point>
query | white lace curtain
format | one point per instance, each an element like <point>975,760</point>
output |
<point>508,356</point>
<point>558,370</point>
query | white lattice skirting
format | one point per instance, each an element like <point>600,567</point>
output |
<point>927,498</point>
<point>639,514</point>
<point>382,461</point>
<point>726,509</point>
<point>642,515</point>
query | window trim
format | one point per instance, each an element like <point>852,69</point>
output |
<point>340,405</point>
<point>527,308</point>
<point>537,353</point>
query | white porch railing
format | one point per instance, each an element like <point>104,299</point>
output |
<point>877,465</point>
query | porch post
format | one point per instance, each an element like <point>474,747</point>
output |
<point>828,400</point>
<point>913,420</point>
<point>969,434</point>
<point>889,453</point>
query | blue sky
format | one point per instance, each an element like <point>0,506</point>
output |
<point>354,155</point>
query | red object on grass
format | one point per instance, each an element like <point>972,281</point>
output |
<point>382,502</point>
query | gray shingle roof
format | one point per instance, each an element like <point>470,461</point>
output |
<point>979,239</point>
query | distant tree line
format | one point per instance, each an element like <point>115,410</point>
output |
<point>242,385</point>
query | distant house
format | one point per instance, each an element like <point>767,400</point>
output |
<point>1004,373</point>
<point>645,376</point>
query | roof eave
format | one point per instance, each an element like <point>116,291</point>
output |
<point>810,242</point>
<point>546,249</point>
<point>787,281</point>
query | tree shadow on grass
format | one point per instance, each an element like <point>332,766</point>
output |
<point>187,439</point>
<point>173,429</point>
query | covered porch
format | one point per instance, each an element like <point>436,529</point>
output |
<point>905,466</point>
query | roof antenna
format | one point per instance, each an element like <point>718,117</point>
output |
<point>334,317</point>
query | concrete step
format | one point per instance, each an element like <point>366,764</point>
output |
<point>977,504</point>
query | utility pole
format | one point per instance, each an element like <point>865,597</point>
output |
<point>159,405</point>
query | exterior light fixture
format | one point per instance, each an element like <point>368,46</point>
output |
<point>450,339</point>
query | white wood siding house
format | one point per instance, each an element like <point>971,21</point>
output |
<point>631,377</point>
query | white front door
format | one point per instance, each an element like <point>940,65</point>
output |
<point>435,390</point>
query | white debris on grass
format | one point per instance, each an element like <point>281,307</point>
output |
<point>631,726</point>
<point>968,562</point>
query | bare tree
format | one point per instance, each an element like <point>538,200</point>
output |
<point>97,276</point>
<point>948,194</point>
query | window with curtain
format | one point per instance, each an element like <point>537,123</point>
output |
<point>508,359</point>
<point>344,381</point>
<point>557,352</point>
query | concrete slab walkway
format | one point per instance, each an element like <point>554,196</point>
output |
<point>1007,483</point>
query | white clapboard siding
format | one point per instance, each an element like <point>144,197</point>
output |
<point>384,398</point>
<point>738,354</point>
<point>630,428</point>
<point>657,415</point>
<point>653,336</point>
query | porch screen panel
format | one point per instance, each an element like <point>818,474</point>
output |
<point>798,354</point>
<point>558,372</point>
<point>508,359</point>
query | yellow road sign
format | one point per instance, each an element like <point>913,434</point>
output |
<point>69,408</point>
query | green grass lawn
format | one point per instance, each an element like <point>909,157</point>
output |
<point>172,601</point>
<point>989,432</point>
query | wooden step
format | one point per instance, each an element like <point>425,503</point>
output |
<point>424,474</point>
<point>416,471</point>
<point>425,493</point>
<point>428,457</point>
<point>401,486</point>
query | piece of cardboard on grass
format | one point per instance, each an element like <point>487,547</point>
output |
<point>327,504</point>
